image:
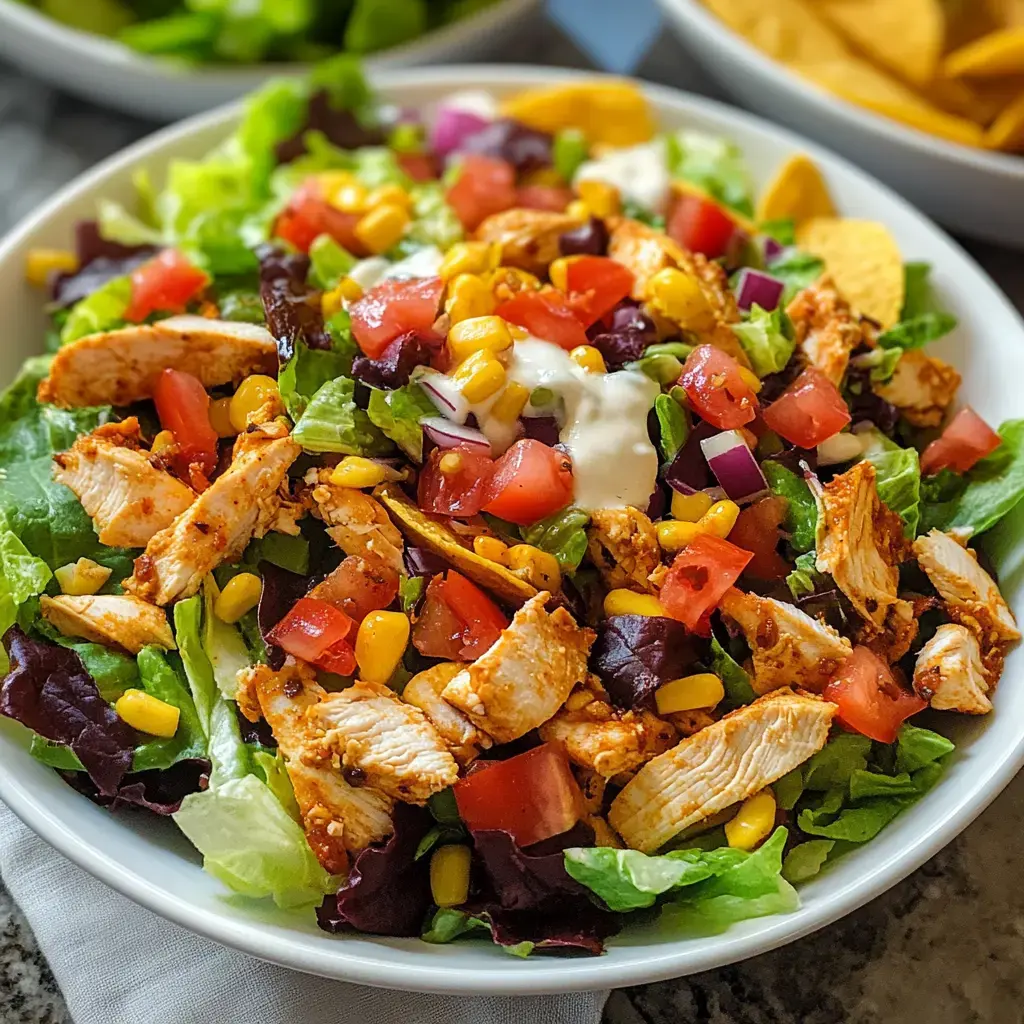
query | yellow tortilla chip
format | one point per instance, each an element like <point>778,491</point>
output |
<point>1005,12</point>
<point>998,53</point>
<point>864,261</point>
<point>797,192</point>
<point>1007,131</point>
<point>788,30</point>
<point>435,537</point>
<point>904,36</point>
<point>614,113</point>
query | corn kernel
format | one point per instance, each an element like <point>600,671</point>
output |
<point>380,644</point>
<point>381,228</point>
<point>163,440</point>
<point>579,699</point>
<point>558,271</point>
<point>703,690</point>
<point>41,263</point>
<point>688,508</point>
<point>449,875</point>
<point>601,198</point>
<point>753,822</point>
<point>720,518</point>
<point>508,282</point>
<point>674,535</point>
<point>450,463</point>
<point>241,594</point>
<point>346,290</point>
<point>82,577</point>
<point>469,258</point>
<point>511,402</point>
<point>146,713</point>
<point>492,549</point>
<point>220,417</point>
<point>389,194</point>
<point>355,471</point>
<point>469,297</point>
<point>546,176</point>
<point>330,182</point>
<point>578,210</point>
<point>479,377</point>
<point>678,296</point>
<point>351,197</point>
<point>487,334</point>
<point>539,567</point>
<point>251,395</point>
<point>589,358</point>
<point>626,602</point>
<point>751,379</point>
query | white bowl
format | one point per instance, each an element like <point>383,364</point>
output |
<point>106,72</point>
<point>971,190</point>
<point>149,861</point>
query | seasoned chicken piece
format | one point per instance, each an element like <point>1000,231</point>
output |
<point>423,691</point>
<point>527,673</point>
<point>356,522</point>
<point>339,817</point>
<point>603,832</point>
<point>126,496</point>
<point>949,673</point>
<point>389,743</point>
<point>109,619</point>
<point>720,766</point>
<point>826,329</point>
<point>688,723</point>
<point>922,388</point>
<point>603,738</point>
<point>528,238</point>
<point>119,367</point>
<point>592,786</point>
<point>623,544</point>
<point>788,646</point>
<point>860,542</point>
<point>241,503</point>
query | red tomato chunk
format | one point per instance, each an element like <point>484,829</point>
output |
<point>701,226</point>
<point>699,577</point>
<point>461,491</point>
<point>546,315</point>
<point>965,440</point>
<point>484,186</point>
<point>531,481</point>
<point>317,632</point>
<point>596,285</point>
<point>165,284</point>
<point>308,215</point>
<point>716,389</point>
<point>458,622</point>
<point>757,531</point>
<point>809,411</point>
<point>392,309</point>
<point>184,409</point>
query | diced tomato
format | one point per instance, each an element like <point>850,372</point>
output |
<point>698,578</point>
<point>546,315</point>
<point>483,620</point>
<point>701,226</point>
<point>716,389</point>
<point>419,166</point>
<point>309,215</point>
<point>484,186</point>
<point>544,197</point>
<point>757,531</point>
<point>530,482</point>
<point>394,308</point>
<point>965,440</point>
<point>315,631</point>
<point>358,586</point>
<point>596,285</point>
<point>165,284</point>
<point>534,796</point>
<point>183,407</point>
<point>461,493</point>
<point>870,700</point>
<point>437,631</point>
<point>339,658</point>
<point>809,411</point>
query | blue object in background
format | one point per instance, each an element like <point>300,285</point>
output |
<point>615,33</point>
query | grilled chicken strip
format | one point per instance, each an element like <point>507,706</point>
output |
<point>528,238</point>
<point>623,544</point>
<point>949,673</point>
<point>463,738</point>
<point>109,619</point>
<point>922,387</point>
<point>826,329</point>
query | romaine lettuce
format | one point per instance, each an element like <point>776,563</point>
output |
<point>563,535</point>
<point>332,422</point>
<point>801,520</point>
<point>897,477</point>
<point>398,413</point>
<point>762,336</point>
<point>102,311</point>
<point>714,164</point>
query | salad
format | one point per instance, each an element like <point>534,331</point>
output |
<point>479,523</point>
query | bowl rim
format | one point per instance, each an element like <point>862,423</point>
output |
<point>716,32</point>
<point>661,959</point>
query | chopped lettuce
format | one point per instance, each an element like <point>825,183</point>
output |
<point>332,422</point>
<point>562,535</point>
<point>801,522</point>
<point>161,678</point>
<point>714,164</point>
<point>434,221</point>
<point>797,270</point>
<point>309,369</point>
<point>806,860</point>
<point>102,311</point>
<point>917,290</point>
<point>398,413</point>
<point>805,578</point>
<point>674,427</point>
<point>568,151</point>
<point>223,645</point>
<point>764,339</point>
<point>329,262</point>
<point>738,690</point>
<point>918,331</point>
<point>897,477</point>
<point>22,576</point>
<point>280,549</point>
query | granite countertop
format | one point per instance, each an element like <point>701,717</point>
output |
<point>946,945</point>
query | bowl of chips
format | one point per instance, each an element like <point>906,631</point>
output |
<point>925,94</point>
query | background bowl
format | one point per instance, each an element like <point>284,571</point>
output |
<point>116,76</point>
<point>977,192</point>
<point>149,861</point>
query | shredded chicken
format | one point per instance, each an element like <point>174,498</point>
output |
<point>120,367</point>
<point>922,387</point>
<point>528,238</point>
<point>720,766</point>
<point>949,673</point>
<point>526,675</point>
<point>463,738</point>
<point>127,497</point>
<point>788,646</point>
<point>339,817</point>
<point>109,619</point>
<point>860,542</point>
<point>826,329</point>
<point>623,544</point>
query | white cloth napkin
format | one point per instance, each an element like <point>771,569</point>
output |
<point>117,963</point>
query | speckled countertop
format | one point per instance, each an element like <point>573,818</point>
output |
<point>945,946</point>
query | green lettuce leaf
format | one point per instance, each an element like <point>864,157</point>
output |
<point>674,427</point>
<point>328,262</point>
<point>223,644</point>
<point>917,295</point>
<point>448,924</point>
<point>918,331</point>
<point>434,221</point>
<point>102,311</point>
<point>398,413</point>
<point>738,690</point>
<point>410,590</point>
<point>897,477</point>
<point>797,270</point>
<point>806,860</point>
<point>160,678</point>
<point>280,549</point>
<point>309,369</point>
<point>714,164</point>
<point>805,578</point>
<point>801,520</point>
<point>332,422</point>
<point>568,151</point>
<point>763,337</point>
<point>563,535</point>
<point>22,576</point>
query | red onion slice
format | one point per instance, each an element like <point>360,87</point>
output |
<point>451,126</point>
<point>446,434</point>
<point>734,466</point>
<point>772,248</point>
<point>755,287</point>
<point>445,394</point>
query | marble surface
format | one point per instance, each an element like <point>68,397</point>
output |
<point>946,945</point>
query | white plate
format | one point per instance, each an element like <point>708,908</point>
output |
<point>971,190</point>
<point>114,75</point>
<point>147,860</point>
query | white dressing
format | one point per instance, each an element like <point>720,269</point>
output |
<point>425,262</point>
<point>473,101</point>
<point>639,173</point>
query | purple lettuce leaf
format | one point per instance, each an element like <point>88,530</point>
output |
<point>158,791</point>
<point>340,126</point>
<point>281,589</point>
<point>49,690</point>
<point>524,148</point>
<point>392,367</point>
<point>99,261</point>
<point>291,315</point>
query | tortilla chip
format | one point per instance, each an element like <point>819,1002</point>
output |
<point>904,36</point>
<point>788,30</point>
<point>998,53</point>
<point>797,192</point>
<point>1005,13</point>
<point>1007,131</point>
<point>436,537</point>
<point>863,260</point>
